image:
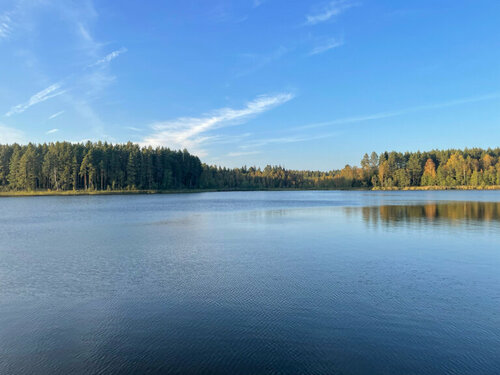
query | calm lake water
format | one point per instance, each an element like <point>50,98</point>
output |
<point>251,283</point>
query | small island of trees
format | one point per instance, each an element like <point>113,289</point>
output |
<point>100,166</point>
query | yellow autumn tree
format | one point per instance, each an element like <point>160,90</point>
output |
<point>458,168</point>
<point>486,162</point>
<point>429,176</point>
<point>383,171</point>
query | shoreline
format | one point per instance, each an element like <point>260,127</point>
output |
<point>42,193</point>
<point>49,193</point>
<point>435,188</point>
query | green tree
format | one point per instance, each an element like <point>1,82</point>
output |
<point>131,171</point>
<point>28,169</point>
<point>14,178</point>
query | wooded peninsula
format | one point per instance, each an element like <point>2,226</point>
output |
<point>102,167</point>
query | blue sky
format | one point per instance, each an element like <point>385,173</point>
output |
<point>304,84</point>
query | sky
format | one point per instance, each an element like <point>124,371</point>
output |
<point>302,84</point>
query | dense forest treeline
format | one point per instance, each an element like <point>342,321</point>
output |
<point>64,166</point>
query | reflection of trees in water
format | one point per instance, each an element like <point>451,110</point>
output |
<point>454,211</point>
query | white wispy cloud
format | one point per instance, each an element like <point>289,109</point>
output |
<point>133,128</point>
<point>243,153</point>
<point>82,88</point>
<point>5,25</point>
<point>51,131</point>
<point>11,135</point>
<point>88,86</point>
<point>110,56</point>
<point>189,132</point>
<point>253,147</point>
<point>84,33</point>
<point>332,9</point>
<point>94,122</point>
<point>258,3</point>
<point>55,115</point>
<point>229,139</point>
<point>401,112</point>
<point>330,44</point>
<point>41,96</point>
<point>287,139</point>
<point>258,61</point>
<point>225,12</point>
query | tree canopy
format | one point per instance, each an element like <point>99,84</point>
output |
<point>102,166</point>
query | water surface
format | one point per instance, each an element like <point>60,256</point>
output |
<point>251,282</point>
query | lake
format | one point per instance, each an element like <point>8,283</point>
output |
<point>291,282</point>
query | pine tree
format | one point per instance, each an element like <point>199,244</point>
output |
<point>131,171</point>
<point>13,177</point>
<point>28,170</point>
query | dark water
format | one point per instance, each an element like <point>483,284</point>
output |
<point>251,283</point>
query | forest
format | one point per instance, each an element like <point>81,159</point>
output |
<point>100,166</point>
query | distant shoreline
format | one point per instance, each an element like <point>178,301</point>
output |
<point>41,193</point>
<point>430,188</point>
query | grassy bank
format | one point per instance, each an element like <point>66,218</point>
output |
<point>41,193</point>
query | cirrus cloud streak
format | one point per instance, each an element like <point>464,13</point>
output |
<point>190,132</point>
<point>41,96</point>
<point>330,10</point>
